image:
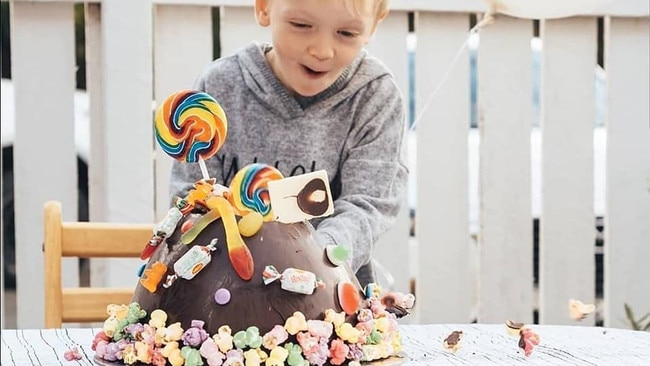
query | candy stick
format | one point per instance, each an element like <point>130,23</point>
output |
<point>204,169</point>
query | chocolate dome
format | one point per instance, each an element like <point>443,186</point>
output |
<point>251,302</point>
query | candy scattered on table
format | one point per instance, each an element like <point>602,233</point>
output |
<point>528,340</point>
<point>72,354</point>
<point>578,310</point>
<point>249,189</point>
<point>452,342</point>
<point>513,327</point>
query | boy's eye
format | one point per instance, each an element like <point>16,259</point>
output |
<point>299,25</point>
<point>347,34</point>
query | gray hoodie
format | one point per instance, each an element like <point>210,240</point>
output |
<point>355,130</point>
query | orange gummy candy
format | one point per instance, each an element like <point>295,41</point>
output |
<point>152,276</point>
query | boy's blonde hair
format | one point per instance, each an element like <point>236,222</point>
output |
<point>380,7</point>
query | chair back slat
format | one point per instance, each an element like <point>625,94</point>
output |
<point>104,240</point>
<point>86,305</point>
<point>85,240</point>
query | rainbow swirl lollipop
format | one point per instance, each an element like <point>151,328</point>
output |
<point>190,126</point>
<point>250,190</point>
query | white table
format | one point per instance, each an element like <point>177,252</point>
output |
<point>482,344</point>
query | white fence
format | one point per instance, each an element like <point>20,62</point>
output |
<point>141,51</point>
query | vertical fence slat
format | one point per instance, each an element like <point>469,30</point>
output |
<point>505,111</point>
<point>627,223</point>
<point>173,73</point>
<point>96,186</point>
<point>392,248</point>
<point>43,70</point>
<point>127,116</point>
<point>442,230</point>
<point>567,234</point>
<point>97,197</point>
<point>239,28</point>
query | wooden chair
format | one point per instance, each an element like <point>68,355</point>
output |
<point>85,240</point>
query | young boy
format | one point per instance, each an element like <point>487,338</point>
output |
<point>315,100</point>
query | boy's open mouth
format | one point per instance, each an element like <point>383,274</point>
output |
<point>312,72</point>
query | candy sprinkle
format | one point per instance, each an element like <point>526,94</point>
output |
<point>337,254</point>
<point>222,296</point>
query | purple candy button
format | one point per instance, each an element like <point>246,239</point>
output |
<point>222,296</point>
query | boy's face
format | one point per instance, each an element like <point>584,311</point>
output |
<point>314,40</point>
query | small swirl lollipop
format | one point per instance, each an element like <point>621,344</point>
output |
<point>250,190</point>
<point>191,126</point>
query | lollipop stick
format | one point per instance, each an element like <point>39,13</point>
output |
<point>204,169</point>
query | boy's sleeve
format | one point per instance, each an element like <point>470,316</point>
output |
<point>181,180</point>
<point>373,175</point>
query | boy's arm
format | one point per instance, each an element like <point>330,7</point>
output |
<point>373,175</point>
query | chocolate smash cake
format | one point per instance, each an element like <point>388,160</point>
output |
<point>234,276</point>
<point>272,297</point>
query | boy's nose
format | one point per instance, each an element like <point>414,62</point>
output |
<point>321,50</point>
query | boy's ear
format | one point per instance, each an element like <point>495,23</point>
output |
<point>261,12</point>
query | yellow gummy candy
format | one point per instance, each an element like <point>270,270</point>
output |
<point>250,224</point>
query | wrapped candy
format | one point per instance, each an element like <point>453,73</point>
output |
<point>292,279</point>
<point>167,226</point>
<point>192,262</point>
<point>163,229</point>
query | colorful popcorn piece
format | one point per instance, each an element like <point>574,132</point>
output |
<point>452,342</point>
<point>513,327</point>
<point>72,354</point>
<point>578,310</point>
<point>296,323</point>
<point>528,340</point>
